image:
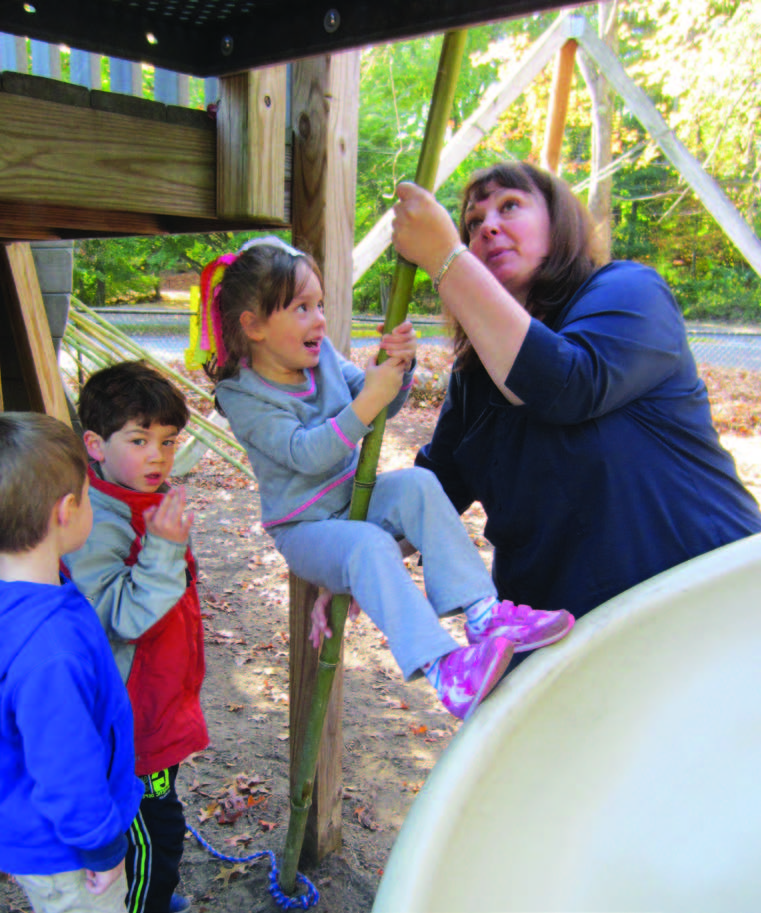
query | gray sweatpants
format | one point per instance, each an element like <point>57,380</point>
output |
<point>363,558</point>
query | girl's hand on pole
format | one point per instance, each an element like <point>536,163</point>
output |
<point>168,519</point>
<point>382,383</point>
<point>320,627</point>
<point>423,231</point>
<point>400,343</point>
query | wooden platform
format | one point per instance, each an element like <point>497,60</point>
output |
<point>84,163</point>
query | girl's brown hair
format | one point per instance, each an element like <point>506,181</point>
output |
<point>574,252</point>
<point>262,279</point>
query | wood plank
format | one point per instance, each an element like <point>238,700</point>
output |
<point>562,80</point>
<point>36,222</point>
<point>29,324</point>
<point>251,122</point>
<point>323,831</point>
<point>343,137</point>
<point>325,104</point>
<point>80,157</point>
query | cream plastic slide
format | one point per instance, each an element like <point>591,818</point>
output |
<point>618,770</point>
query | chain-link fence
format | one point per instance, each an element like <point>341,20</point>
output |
<point>165,332</point>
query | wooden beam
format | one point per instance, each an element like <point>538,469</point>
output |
<point>251,144</point>
<point>323,831</point>
<point>325,108</point>
<point>558,107</point>
<point>40,378</point>
<point>705,187</point>
<point>81,157</point>
<point>41,222</point>
<point>343,137</point>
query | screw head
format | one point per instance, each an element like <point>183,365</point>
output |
<point>332,21</point>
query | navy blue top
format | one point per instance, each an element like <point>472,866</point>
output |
<point>611,471</point>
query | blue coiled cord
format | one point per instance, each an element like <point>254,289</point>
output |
<point>303,901</point>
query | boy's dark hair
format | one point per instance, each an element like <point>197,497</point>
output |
<point>41,461</point>
<point>130,391</point>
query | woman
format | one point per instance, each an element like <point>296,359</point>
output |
<point>575,413</point>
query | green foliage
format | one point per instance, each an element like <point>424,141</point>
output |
<point>697,60</point>
<point>117,270</point>
<point>396,85</point>
<point>726,294</point>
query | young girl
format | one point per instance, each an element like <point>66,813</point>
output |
<point>300,410</point>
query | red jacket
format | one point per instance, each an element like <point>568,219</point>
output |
<point>165,644</point>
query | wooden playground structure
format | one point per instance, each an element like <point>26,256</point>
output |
<point>279,149</point>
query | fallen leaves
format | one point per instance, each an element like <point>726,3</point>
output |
<point>365,817</point>
<point>246,791</point>
<point>225,873</point>
<point>238,840</point>
<point>224,637</point>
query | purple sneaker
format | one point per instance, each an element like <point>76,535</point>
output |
<point>467,675</point>
<point>527,628</point>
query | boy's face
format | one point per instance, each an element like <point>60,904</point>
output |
<point>135,457</point>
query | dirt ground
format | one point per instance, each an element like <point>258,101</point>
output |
<point>236,791</point>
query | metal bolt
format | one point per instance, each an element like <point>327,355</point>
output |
<point>332,21</point>
<point>226,45</point>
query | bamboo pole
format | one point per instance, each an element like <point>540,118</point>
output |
<point>364,480</point>
<point>92,322</point>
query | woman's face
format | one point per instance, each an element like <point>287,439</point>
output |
<point>509,231</point>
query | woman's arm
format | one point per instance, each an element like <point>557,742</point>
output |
<point>494,322</point>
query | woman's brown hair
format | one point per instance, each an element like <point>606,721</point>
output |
<point>574,253</point>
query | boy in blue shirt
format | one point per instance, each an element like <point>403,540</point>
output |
<point>68,791</point>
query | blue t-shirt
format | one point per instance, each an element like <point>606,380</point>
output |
<point>611,471</point>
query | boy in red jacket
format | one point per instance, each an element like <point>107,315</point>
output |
<point>138,571</point>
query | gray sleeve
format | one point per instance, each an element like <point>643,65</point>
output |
<point>128,600</point>
<point>404,391</point>
<point>282,438</point>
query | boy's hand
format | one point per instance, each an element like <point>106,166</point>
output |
<point>320,617</point>
<point>168,519</point>
<point>400,343</point>
<point>99,882</point>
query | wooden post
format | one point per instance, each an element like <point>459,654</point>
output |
<point>561,89</point>
<point>39,387</point>
<point>251,144</point>
<point>325,107</point>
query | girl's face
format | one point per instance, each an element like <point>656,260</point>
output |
<point>289,340</point>
<point>509,231</point>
